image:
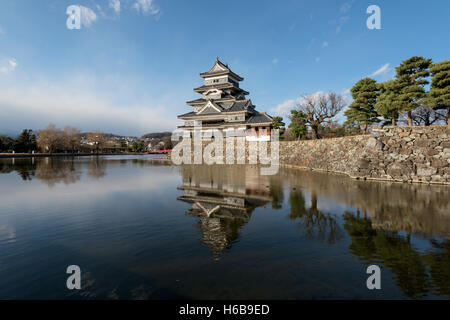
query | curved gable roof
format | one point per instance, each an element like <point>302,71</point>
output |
<point>218,69</point>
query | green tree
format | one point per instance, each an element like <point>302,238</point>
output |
<point>411,77</point>
<point>138,146</point>
<point>362,110</point>
<point>167,143</point>
<point>6,143</point>
<point>134,146</point>
<point>26,142</point>
<point>297,127</point>
<point>387,104</point>
<point>439,94</point>
<point>277,123</point>
<point>332,129</point>
<point>141,145</point>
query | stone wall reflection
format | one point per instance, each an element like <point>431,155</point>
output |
<point>391,206</point>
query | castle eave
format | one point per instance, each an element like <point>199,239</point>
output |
<point>206,75</point>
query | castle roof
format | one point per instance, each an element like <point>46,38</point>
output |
<point>219,69</point>
<point>259,117</point>
<point>201,101</point>
<point>227,85</point>
<point>236,106</point>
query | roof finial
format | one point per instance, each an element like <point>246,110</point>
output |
<point>217,58</point>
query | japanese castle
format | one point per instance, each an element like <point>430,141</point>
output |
<point>224,106</point>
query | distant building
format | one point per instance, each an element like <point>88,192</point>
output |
<point>223,106</point>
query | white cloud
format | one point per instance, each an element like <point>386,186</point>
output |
<point>36,105</point>
<point>346,91</point>
<point>324,44</point>
<point>317,59</point>
<point>100,10</point>
<point>382,70</point>
<point>8,65</point>
<point>87,16</point>
<point>146,7</point>
<point>285,107</point>
<point>275,60</point>
<point>345,8</point>
<point>341,22</point>
<point>115,5</point>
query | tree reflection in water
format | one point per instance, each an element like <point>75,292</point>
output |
<point>316,224</point>
<point>416,274</point>
<point>276,192</point>
<point>48,170</point>
<point>66,170</point>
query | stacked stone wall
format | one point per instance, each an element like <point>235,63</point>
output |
<point>408,154</point>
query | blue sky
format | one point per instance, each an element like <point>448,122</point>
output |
<point>134,63</point>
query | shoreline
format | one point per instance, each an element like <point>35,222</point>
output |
<point>50,155</point>
<point>295,167</point>
<point>392,180</point>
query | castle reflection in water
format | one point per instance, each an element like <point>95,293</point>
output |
<point>223,200</point>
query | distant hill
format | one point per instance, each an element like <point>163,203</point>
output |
<point>11,133</point>
<point>156,135</point>
<point>108,135</point>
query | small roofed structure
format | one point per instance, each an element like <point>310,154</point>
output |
<point>224,106</point>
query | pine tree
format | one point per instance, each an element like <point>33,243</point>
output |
<point>362,110</point>
<point>297,127</point>
<point>277,123</point>
<point>26,142</point>
<point>411,76</point>
<point>388,105</point>
<point>439,94</point>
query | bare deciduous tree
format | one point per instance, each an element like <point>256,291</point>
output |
<point>71,138</point>
<point>49,138</point>
<point>320,108</point>
<point>97,139</point>
<point>425,116</point>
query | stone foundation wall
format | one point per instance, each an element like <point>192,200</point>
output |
<point>407,154</point>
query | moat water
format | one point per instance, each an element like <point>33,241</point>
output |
<point>141,229</point>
